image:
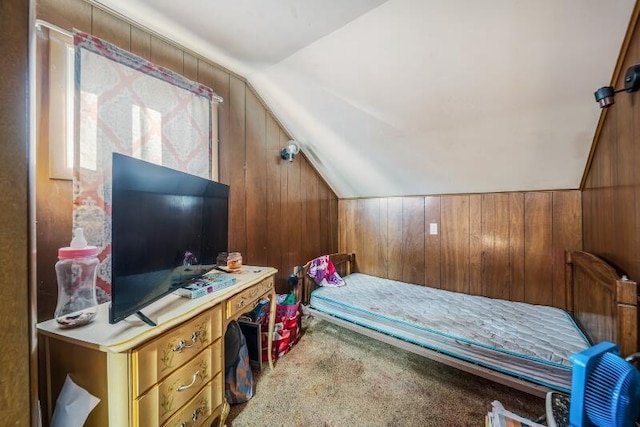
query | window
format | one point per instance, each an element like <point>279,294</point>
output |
<point>123,104</point>
<point>55,65</point>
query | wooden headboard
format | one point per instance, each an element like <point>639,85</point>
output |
<point>604,304</point>
<point>344,264</point>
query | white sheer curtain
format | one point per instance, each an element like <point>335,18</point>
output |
<point>128,105</point>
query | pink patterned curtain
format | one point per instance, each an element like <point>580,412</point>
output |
<point>128,105</point>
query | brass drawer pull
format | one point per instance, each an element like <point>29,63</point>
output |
<point>249,296</point>
<point>182,345</point>
<point>193,381</point>
<point>194,416</point>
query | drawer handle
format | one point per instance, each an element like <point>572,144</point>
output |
<point>194,416</point>
<point>193,381</point>
<point>182,345</point>
<point>249,296</point>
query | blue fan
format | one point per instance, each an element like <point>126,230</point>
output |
<point>605,388</point>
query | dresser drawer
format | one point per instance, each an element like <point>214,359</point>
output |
<point>201,407</point>
<point>155,360</point>
<point>165,398</point>
<point>247,299</point>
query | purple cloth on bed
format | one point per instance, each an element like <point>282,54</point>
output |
<point>323,272</point>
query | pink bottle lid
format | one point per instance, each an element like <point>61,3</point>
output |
<point>78,247</point>
<point>69,252</point>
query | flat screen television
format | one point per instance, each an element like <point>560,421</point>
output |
<point>167,228</point>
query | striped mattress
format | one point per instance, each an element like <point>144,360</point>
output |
<point>531,342</point>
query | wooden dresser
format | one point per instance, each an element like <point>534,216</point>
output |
<point>167,375</point>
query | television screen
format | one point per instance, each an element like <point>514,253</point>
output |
<point>167,228</point>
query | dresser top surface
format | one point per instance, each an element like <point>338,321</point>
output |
<point>167,313</point>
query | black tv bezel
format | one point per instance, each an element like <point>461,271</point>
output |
<point>132,174</point>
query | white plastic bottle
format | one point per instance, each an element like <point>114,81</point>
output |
<point>76,271</point>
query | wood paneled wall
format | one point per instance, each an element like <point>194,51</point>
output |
<point>18,381</point>
<point>502,245</point>
<point>611,186</point>
<point>281,213</point>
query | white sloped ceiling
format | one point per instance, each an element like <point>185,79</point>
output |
<point>413,97</point>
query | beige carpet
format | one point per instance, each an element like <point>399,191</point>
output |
<point>335,377</point>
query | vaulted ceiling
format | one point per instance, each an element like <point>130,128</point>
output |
<point>414,97</point>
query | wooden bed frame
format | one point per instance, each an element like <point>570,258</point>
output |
<point>604,304</point>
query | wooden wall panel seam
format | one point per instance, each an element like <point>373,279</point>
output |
<point>495,244</point>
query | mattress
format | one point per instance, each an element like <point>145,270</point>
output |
<point>527,341</point>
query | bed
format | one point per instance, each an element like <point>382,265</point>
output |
<point>521,345</point>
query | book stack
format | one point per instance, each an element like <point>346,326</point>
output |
<point>500,417</point>
<point>206,284</point>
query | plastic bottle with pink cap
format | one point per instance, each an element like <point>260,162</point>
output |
<point>76,271</point>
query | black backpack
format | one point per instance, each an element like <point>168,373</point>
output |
<point>238,377</point>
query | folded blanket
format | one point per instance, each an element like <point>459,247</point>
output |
<point>323,272</point>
